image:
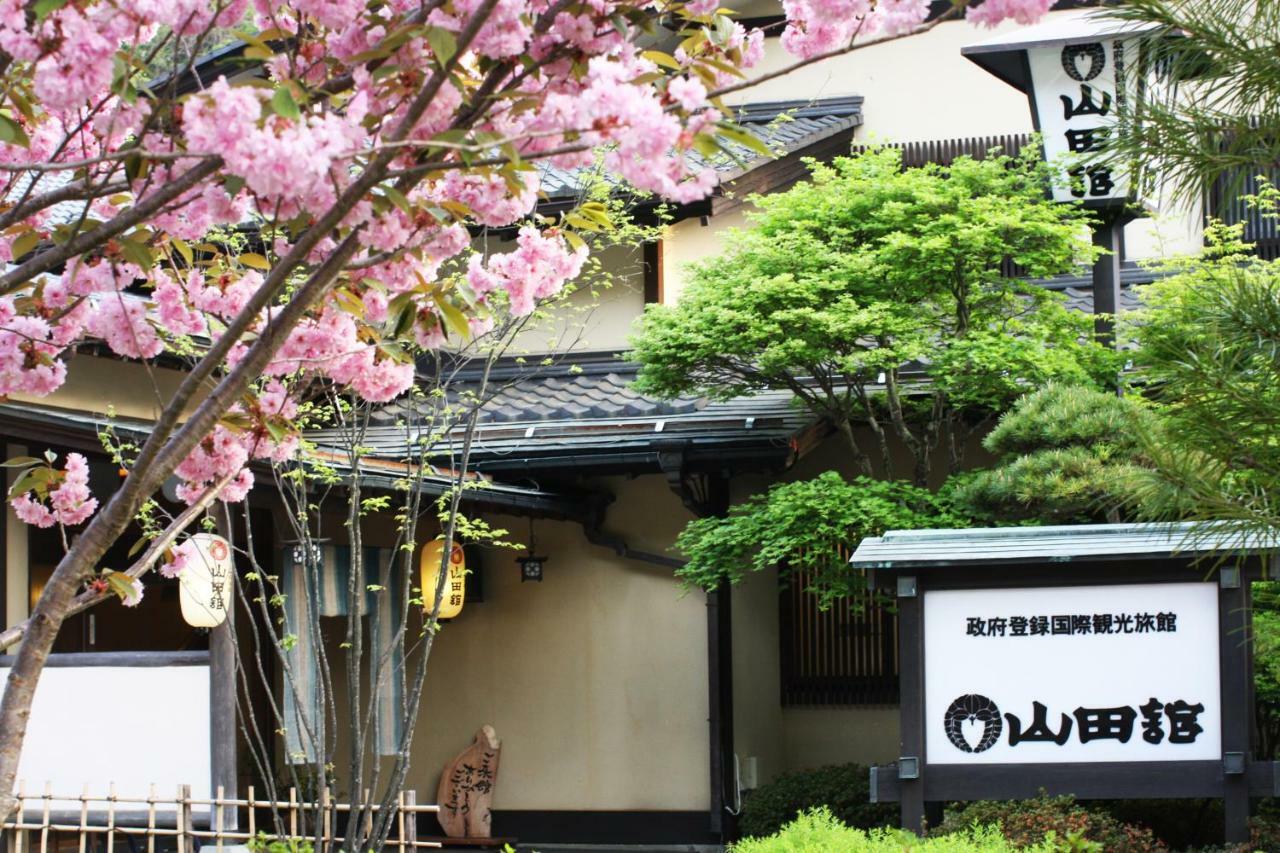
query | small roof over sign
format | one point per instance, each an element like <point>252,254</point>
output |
<point>900,549</point>
<point>1001,55</point>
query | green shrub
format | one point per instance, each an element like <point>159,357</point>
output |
<point>263,843</point>
<point>1064,453</point>
<point>1181,824</point>
<point>1026,822</point>
<point>844,789</point>
<point>818,831</point>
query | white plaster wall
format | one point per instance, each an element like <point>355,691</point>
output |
<point>915,88</point>
<point>595,679</point>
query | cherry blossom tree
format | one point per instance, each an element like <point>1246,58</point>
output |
<point>312,222</point>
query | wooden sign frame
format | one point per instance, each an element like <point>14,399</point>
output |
<point>922,788</point>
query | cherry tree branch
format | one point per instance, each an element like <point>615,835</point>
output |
<point>71,192</point>
<point>90,598</point>
<point>82,243</point>
<point>949,15</point>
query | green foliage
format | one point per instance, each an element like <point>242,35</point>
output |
<point>1225,119</point>
<point>1026,823</point>
<point>867,271</point>
<point>806,525</point>
<point>1210,357</point>
<point>1266,667</point>
<point>842,789</point>
<point>818,831</point>
<point>263,843</point>
<point>1064,452</point>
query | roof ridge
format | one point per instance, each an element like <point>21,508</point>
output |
<point>764,111</point>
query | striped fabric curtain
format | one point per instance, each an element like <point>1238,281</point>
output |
<point>301,706</point>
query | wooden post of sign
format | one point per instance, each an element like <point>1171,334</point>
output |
<point>1237,724</point>
<point>911,707</point>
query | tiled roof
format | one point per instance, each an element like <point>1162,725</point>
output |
<point>587,403</point>
<point>48,423</point>
<point>581,397</point>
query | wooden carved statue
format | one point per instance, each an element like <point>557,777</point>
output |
<point>465,794</point>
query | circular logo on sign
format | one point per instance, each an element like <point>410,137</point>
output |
<point>965,713</point>
<point>218,549</point>
<point>1093,53</point>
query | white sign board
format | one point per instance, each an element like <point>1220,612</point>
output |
<point>134,726</point>
<point>1078,92</point>
<point>1072,674</point>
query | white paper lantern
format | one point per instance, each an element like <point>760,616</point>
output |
<point>205,584</point>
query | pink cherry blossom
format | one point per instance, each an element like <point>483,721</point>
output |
<point>69,503</point>
<point>134,597</point>
<point>992,12</point>
<point>180,556</point>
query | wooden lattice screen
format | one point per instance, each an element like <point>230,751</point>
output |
<point>1226,202</point>
<point>845,655</point>
<point>943,151</point>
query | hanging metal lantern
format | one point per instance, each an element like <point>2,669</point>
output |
<point>455,589</point>
<point>204,587</point>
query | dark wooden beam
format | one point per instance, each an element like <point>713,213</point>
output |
<point>653,273</point>
<point>780,174</point>
<point>1234,632</point>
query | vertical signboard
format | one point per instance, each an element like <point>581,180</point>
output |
<point>1079,90</point>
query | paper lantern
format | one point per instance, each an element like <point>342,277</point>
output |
<point>204,587</point>
<point>455,589</point>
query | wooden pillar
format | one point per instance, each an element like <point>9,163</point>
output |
<point>911,704</point>
<point>222,692</point>
<point>1237,725</point>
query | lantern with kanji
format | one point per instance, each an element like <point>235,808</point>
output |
<point>455,588</point>
<point>204,589</point>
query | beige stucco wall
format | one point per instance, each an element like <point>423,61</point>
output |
<point>915,88</point>
<point>599,311</point>
<point>757,709</point>
<point>595,679</point>
<point>17,565</point>
<point>99,385</point>
<point>688,241</point>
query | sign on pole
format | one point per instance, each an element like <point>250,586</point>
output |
<point>1072,674</point>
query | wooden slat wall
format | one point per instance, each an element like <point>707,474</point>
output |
<point>943,151</point>
<point>845,655</point>
<point>1226,202</point>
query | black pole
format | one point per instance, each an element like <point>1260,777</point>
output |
<point>1109,236</point>
<point>724,789</point>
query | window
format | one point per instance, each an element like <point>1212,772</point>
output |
<point>846,655</point>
